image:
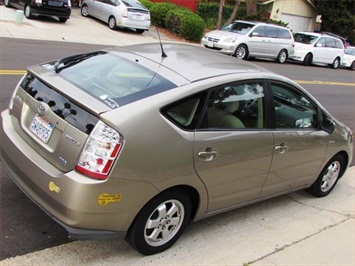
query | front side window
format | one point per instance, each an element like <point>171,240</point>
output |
<point>259,31</point>
<point>292,108</point>
<point>321,41</point>
<point>236,106</point>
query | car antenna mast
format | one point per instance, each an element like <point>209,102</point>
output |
<point>163,54</point>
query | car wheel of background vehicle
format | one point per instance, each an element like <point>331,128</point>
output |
<point>160,223</point>
<point>63,20</point>
<point>352,67</point>
<point>307,60</point>
<point>7,3</point>
<point>85,11</point>
<point>139,30</point>
<point>241,52</point>
<point>282,57</point>
<point>28,12</point>
<point>336,63</point>
<point>328,177</point>
<point>112,23</point>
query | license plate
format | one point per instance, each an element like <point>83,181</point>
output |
<point>210,44</point>
<point>41,128</point>
<point>138,17</point>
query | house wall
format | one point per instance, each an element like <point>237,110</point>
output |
<point>191,4</point>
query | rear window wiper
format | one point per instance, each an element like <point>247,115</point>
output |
<point>74,59</point>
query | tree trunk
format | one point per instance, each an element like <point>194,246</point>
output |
<point>220,13</point>
<point>251,8</point>
<point>234,12</point>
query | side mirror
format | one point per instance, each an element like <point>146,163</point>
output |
<point>319,45</point>
<point>254,34</point>
<point>327,125</point>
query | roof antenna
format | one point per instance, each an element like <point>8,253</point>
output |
<point>163,54</point>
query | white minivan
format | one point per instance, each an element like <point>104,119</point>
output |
<point>245,39</point>
<point>318,48</point>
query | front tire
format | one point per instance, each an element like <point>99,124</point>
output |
<point>140,31</point>
<point>241,52</point>
<point>63,20</point>
<point>307,60</point>
<point>282,57</point>
<point>28,11</point>
<point>112,23</point>
<point>336,63</point>
<point>160,223</point>
<point>328,178</point>
<point>352,67</point>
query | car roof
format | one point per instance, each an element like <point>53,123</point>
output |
<point>192,62</point>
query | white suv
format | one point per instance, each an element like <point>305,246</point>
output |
<point>245,39</point>
<point>318,48</point>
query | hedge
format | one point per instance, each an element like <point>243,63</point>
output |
<point>159,11</point>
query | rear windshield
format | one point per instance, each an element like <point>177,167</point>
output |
<point>305,38</point>
<point>114,80</point>
<point>238,27</point>
<point>132,3</point>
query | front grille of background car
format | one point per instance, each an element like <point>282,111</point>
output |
<point>211,39</point>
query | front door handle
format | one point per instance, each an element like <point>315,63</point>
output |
<point>282,148</point>
<point>208,155</point>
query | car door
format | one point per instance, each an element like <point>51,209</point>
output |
<point>272,44</point>
<point>232,148</point>
<point>95,7</point>
<point>299,143</point>
<point>256,41</point>
<point>320,51</point>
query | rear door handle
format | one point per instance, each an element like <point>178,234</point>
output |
<point>282,148</point>
<point>207,155</point>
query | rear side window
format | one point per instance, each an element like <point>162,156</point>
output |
<point>270,32</point>
<point>283,34</point>
<point>339,44</point>
<point>330,42</point>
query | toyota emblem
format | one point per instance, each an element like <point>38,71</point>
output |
<point>41,109</point>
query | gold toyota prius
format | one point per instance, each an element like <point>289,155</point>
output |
<point>139,141</point>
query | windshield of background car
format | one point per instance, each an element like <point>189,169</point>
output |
<point>350,51</point>
<point>115,80</point>
<point>131,3</point>
<point>238,27</point>
<point>305,38</point>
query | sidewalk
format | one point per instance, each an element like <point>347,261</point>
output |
<point>295,229</point>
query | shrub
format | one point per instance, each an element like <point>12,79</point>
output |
<point>185,24</point>
<point>159,11</point>
<point>147,4</point>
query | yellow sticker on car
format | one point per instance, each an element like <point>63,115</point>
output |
<point>106,198</point>
<point>53,187</point>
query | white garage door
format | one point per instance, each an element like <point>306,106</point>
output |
<point>297,23</point>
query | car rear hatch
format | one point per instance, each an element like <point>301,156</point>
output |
<point>136,11</point>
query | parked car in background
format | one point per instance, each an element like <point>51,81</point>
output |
<point>121,142</point>
<point>349,58</point>
<point>50,8</point>
<point>245,39</point>
<point>318,48</point>
<point>118,13</point>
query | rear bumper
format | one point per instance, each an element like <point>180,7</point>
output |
<point>71,199</point>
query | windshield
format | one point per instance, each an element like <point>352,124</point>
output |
<point>305,38</point>
<point>238,27</point>
<point>132,3</point>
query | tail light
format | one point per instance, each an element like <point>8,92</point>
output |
<point>100,152</point>
<point>125,13</point>
<point>38,2</point>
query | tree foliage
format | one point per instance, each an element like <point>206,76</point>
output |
<point>338,17</point>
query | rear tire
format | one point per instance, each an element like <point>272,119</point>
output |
<point>307,60</point>
<point>7,3</point>
<point>112,23</point>
<point>85,11</point>
<point>328,178</point>
<point>63,20</point>
<point>241,52</point>
<point>336,63</point>
<point>160,223</point>
<point>28,11</point>
<point>282,57</point>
